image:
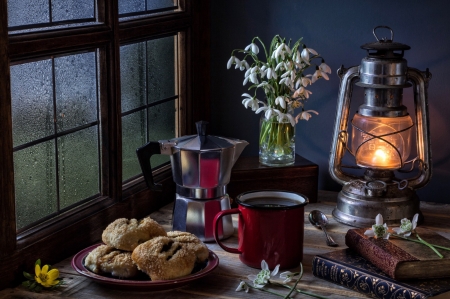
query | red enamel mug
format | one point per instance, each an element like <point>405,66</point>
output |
<point>271,227</point>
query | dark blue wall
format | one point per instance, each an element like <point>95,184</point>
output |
<point>336,29</point>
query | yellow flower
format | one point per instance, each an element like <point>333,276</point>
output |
<point>46,278</point>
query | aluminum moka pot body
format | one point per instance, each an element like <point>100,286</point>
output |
<point>201,169</point>
<point>383,74</point>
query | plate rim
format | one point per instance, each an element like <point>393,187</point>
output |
<point>78,266</point>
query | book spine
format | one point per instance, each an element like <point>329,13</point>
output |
<point>361,282</point>
<point>371,252</point>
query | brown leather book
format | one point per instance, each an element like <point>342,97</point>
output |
<point>403,259</point>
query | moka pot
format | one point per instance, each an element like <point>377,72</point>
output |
<point>201,168</point>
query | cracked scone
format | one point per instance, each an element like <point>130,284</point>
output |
<point>106,259</point>
<point>192,242</point>
<point>127,234</point>
<point>164,258</point>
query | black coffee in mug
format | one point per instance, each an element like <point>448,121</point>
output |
<point>271,202</point>
<point>270,199</point>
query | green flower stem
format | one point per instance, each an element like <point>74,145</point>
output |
<point>295,285</point>
<point>417,241</point>
<point>276,135</point>
<point>429,245</point>
<point>298,290</point>
<point>420,240</point>
<point>264,290</point>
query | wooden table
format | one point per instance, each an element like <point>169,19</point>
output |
<point>222,282</point>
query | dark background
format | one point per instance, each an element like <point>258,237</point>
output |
<point>336,29</point>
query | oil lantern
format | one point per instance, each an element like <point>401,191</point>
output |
<point>381,138</point>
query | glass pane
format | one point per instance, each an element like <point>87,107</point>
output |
<point>78,165</point>
<point>157,4</point>
<point>32,104</point>
<point>75,89</point>
<point>35,188</point>
<point>25,12</point>
<point>130,6</point>
<point>72,9</point>
<point>161,125</point>
<point>127,6</point>
<point>132,76</point>
<point>133,136</point>
<point>161,68</point>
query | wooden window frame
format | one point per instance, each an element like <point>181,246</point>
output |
<point>55,240</point>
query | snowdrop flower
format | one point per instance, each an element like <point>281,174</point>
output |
<point>282,117</point>
<point>238,63</point>
<point>253,47</point>
<point>407,226</point>
<point>303,81</point>
<point>287,81</point>
<point>324,68</point>
<point>231,61</point>
<point>319,74</point>
<point>242,287</point>
<point>269,111</point>
<point>306,81</point>
<point>264,275</point>
<point>306,115</point>
<point>250,101</point>
<point>280,66</point>
<point>263,71</point>
<point>297,57</point>
<point>271,73</point>
<point>288,276</point>
<point>253,77</point>
<point>244,65</point>
<point>302,93</point>
<point>281,101</point>
<point>281,51</point>
<point>379,230</point>
<point>290,74</point>
<point>305,54</point>
<point>267,87</point>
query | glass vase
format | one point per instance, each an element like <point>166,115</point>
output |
<point>276,142</point>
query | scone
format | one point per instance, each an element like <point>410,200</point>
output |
<point>126,234</point>
<point>192,242</point>
<point>163,258</point>
<point>106,259</point>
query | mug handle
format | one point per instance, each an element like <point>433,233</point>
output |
<point>217,219</point>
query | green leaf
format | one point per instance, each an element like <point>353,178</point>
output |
<point>38,262</point>
<point>28,275</point>
<point>38,289</point>
<point>26,283</point>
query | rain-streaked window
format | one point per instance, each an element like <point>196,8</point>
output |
<point>55,135</point>
<point>148,87</point>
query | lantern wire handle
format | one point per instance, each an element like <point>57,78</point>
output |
<point>384,39</point>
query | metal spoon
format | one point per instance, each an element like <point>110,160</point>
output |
<point>319,219</point>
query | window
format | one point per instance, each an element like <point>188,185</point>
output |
<point>82,85</point>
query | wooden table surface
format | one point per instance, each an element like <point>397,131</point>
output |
<point>223,281</point>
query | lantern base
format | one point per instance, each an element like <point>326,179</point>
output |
<point>356,208</point>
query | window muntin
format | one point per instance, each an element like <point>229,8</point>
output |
<point>55,134</point>
<point>149,96</point>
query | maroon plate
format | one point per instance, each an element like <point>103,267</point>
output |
<point>144,282</point>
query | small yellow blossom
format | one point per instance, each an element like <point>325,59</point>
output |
<point>46,278</point>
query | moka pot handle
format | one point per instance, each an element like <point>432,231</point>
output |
<point>144,154</point>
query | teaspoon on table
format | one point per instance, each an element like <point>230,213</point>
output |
<point>319,219</point>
